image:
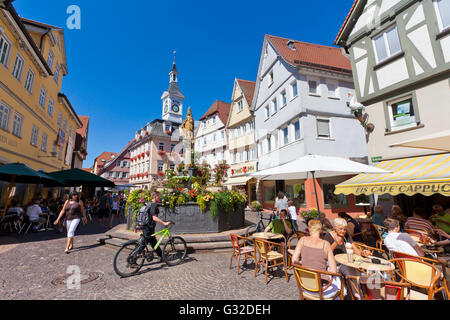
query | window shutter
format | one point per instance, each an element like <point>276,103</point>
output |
<point>323,128</point>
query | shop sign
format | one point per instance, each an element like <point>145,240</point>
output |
<point>408,188</point>
<point>377,159</point>
<point>244,169</point>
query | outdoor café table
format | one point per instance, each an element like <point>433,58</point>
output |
<point>431,251</point>
<point>365,263</point>
<point>268,235</point>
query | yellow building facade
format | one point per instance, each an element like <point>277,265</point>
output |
<point>37,122</point>
<point>241,140</point>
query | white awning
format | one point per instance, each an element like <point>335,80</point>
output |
<point>237,181</point>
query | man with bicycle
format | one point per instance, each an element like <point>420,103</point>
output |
<point>149,229</point>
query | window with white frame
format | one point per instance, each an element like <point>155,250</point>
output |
<point>204,141</point>
<point>160,166</point>
<point>171,166</point>
<point>285,135</point>
<point>274,140</point>
<point>323,128</point>
<point>29,81</point>
<point>161,146</point>
<point>270,79</point>
<point>401,113</point>
<point>244,129</point>
<point>4,50</point>
<point>222,134</point>
<point>60,115</point>
<point>17,124</point>
<point>250,126</point>
<point>387,44</point>
<point>274,106</point>
<point>294,89</point>
<point>234,157</point>
<point>297,130</point>
<point>204,123</point>
<point>43,97</point>
<point>267,109</point>
<point>172,147</point>
<point>332,90</point>
<point>269,143</point>
<point>443,13</point>
<point>312,87</point>
<point>44,142</point>
<point>240,105</point>
<point>50,107</point>
<point>50,59</point>
<point>56,75</point>
<point>214,137</point>
<point>34,136</point>
<point>18,67</point>
<point>214,119</point>
<point>283,98</point>
<point>5,114</point>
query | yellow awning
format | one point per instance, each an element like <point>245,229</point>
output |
<point>426,175</point>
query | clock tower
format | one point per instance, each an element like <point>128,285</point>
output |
<point>172,99</point>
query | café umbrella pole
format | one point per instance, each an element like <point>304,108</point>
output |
<point>315,191</point>
<point>11,184</point>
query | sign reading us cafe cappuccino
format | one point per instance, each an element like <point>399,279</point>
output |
<point>407,188</point>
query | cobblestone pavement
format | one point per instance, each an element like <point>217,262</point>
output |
<point>34,266</point>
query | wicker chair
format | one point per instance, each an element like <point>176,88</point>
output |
<point>240,248</point>
<point>270,258</point>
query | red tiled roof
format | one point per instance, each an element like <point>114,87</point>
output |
<point>248,88</point>
<point>346,20</point>
<point>106,156</point>
<point>314,55</point>
<point>220,107</point>
<point>85,121</point>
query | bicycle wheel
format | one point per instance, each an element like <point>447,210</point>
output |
<point>127,260</point>
<point>174,251</point>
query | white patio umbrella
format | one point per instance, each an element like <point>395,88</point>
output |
<point>318,166</point>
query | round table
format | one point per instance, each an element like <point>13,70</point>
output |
<point>432,252</point>
<point>267,235</point>
<point>365,263</point>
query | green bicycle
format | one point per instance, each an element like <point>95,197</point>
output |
<point>131,256</point>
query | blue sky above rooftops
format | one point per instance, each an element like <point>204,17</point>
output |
<point>119,61</point>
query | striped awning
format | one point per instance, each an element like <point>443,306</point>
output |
<point>426,175</point>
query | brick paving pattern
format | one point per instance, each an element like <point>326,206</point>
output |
<point>34,266</point>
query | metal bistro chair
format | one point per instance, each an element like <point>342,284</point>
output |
<point>240,249</point>
<point>440,265</point>
<point>421,275</point>
<point>268,257</point>
<point>380,232</point>
<point>363,289</point>
<point>311,285</point>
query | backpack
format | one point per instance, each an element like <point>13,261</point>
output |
<point>144,216</point>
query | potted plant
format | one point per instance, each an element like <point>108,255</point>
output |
<point>256,206</point>
<point>310,213</point>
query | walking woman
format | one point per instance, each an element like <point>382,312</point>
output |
<point>73,209</point>
<point>115,211</point>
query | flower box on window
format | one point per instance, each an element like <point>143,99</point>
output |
<point>146,133</point>
<point>161,152</point>
<point>168,132</point>
<point>146,174</point>
<point>140,137</point>
<point>160,174</point>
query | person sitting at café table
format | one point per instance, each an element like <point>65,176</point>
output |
<point>281,226</point>
<point>419,222</point>
<point>353,226</point>
<point>15,209</point>
<point>400,242</point>
<point>34,213</point>
<point>397,214</point>
<point>441,218</point>
<point>378,215</point>
<point>315,253</point>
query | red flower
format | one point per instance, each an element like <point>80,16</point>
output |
<point>140,137</point>
<point>160,173</point>
<point>147,152</point>
<point>161,152</point>
<point>232,171</point>
<point>146,133</point>
<point>142,154</point>
<point>244,169</point>
<point>168,132</point>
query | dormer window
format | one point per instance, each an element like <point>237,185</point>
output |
<point>240,105</point>
<point>270,78</point>
<point>290,44</point>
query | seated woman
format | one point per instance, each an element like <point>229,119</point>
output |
<point>353,226</point>
<point>315,253</point>
<point>337,239</point>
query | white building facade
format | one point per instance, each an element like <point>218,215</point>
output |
<point>211,142</point>
<point>300,108</point>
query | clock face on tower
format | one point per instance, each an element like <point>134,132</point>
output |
<point>175,108</point>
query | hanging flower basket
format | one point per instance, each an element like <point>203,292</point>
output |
<point>142,154</point>
<point>140,137</point>
<point>147,152</point>
<point>146,133</point>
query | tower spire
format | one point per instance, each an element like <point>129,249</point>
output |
<point>174,72</point>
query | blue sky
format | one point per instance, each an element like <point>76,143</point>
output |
<point>120,58</point>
